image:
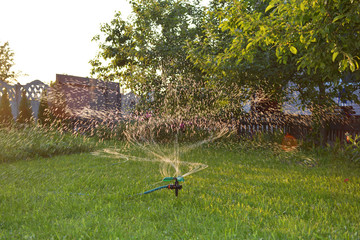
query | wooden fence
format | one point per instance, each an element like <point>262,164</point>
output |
<point>299,126</point>
<point>337,130</point>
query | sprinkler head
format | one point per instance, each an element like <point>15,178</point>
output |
<point>175,186</point>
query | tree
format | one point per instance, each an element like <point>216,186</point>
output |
<point>25,111</point>
<point>312,33</point>
<point>6,63</point>
<point>295,33</point>
<point>149,56</point>
<point>286,47</point>
<point>240,78</point>
<point>6,116</point>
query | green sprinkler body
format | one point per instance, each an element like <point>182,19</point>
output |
<point>176,186</point>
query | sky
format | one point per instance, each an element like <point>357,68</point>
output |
<point>54,37</point>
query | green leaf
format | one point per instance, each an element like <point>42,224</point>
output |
<point>248,46</point>
<point>343,65</point>
<point>302,6</point>
<point>302,39</point>
<point>271,5</point>
<point>278,53</point>
<point>334,56</point>
<point>338,17</point>
<point>352,67</point>
<point>293,50</point>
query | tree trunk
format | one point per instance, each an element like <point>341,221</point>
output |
<point>322,112</point>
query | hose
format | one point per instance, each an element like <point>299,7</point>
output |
<point>155,189</point>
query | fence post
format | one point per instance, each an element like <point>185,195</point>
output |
<point>17,99</point>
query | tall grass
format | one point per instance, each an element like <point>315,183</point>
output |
<point>29,141</point>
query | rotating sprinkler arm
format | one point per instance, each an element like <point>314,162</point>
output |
<point>179,179</point>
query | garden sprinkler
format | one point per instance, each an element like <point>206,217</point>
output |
<point>175,186</point>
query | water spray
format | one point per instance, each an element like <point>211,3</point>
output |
<point>176,186</point>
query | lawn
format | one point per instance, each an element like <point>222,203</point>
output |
<point>243,194</point>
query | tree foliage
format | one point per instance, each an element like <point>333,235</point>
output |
<point>6,63</point>
<point>317,32</point>
<point>294,44</point>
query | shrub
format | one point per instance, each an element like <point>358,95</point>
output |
<point>25,111</point>
<point>44,114</point>
<point>352,149</point>
<point>6,116</point>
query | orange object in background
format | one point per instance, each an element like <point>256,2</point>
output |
<point>289,143</point>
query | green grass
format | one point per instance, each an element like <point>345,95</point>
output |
<point>243,194</point>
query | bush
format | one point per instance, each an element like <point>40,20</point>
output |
<point>44,114</point>
<point>6,116</point>
<point>351,150</point>
<point>25,111</point>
